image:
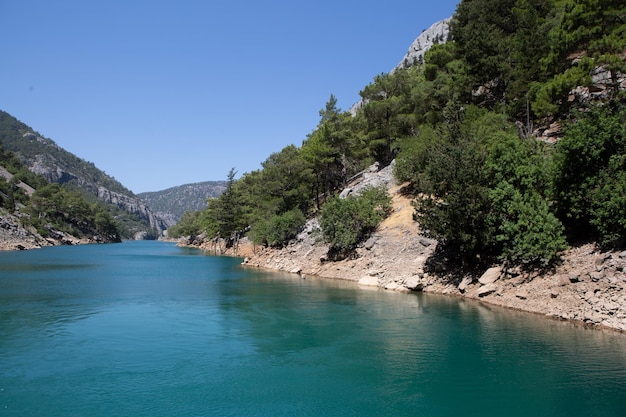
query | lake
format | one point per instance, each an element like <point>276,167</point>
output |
<point>151,329</point>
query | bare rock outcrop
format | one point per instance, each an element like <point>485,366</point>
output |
<point>438,32</point>
<point>14,236</point>
<point>588,286</point>
<point>44,157</point>
<point>132,205</point>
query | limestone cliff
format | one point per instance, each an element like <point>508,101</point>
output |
<point>44,157</point>
<point>437,33</point>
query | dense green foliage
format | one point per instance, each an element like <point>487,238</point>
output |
<point>177,200</point>
<point>590,174</point>
<point>331,154</point>
<point>64,168</point>
<point>485,192</point>
<point>55,207</point>
<point>188,225</point>
<point>348,221</point>
<point>278,229</point>
<point>460,127</point>
<point>593,32</point>
<point>528,55</point>
<point>52,208</point>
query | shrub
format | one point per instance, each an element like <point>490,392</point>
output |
<point>484,194</point>
<point>590,174</point>
<point>278,229</point>
<point>188,225</point>
<point>347,222</point>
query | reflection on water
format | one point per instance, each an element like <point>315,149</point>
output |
<point>146,328</point>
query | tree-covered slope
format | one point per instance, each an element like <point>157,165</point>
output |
<point>36,213</point>
<point>44,157</point>
<point>511,137</point>
<point>174,202</point>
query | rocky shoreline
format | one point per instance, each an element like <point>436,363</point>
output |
<point>588,287</point>
<point>13,236</point>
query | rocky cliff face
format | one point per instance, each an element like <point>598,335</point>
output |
<point>173,202</point>
<point>55,170</point>
<point>44,157</point>
<point>438,33</point>
<point>132,205</point>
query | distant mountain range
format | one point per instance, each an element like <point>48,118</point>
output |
<point>173,202</point>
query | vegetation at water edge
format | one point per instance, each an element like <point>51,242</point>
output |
<point>464,127</point>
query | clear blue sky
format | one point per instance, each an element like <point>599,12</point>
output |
<point>166,92</point>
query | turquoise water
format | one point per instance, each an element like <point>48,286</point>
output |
<point>149,329</point>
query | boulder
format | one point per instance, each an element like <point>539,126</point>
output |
<point>414,284</point>
<point>490,276</point>
<point>369,243</point>
<point>563,281</point>
<point>426,242</point>
<point>464,284</point>
<point>487,289</point>
<point>369,281</point>
<point>574,276</point>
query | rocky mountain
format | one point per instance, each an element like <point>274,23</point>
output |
<point>172,203</point>
<point>437,33</point>
<point>44,157</point>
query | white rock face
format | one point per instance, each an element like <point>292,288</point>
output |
<point>490,276</point>
<point>437,33</point>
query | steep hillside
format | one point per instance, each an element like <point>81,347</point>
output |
<point>172,203</point>
<point>437,33</point>
<point>35,213</point>
<point>586,286</point>
<point>44,157</point>
<point>509,142</point>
